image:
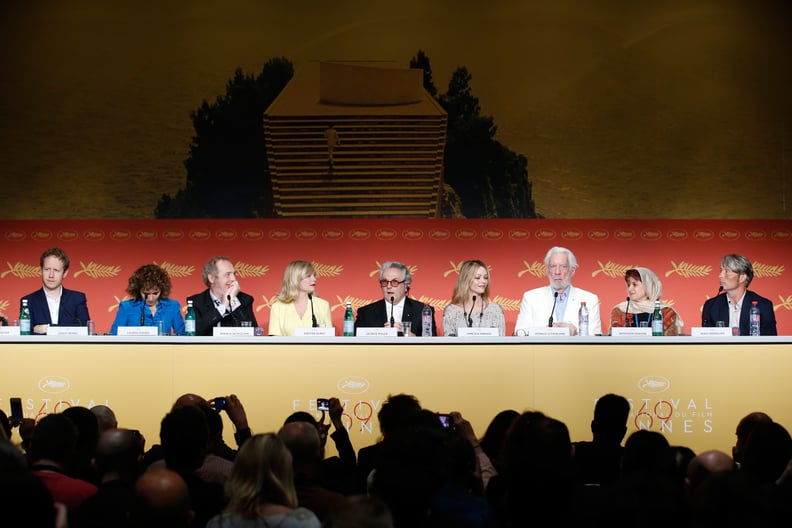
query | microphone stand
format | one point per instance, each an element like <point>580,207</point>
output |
<point>627,313</point>
<point>552,312</point>
<point>313,317</point>
<point>392,323</point>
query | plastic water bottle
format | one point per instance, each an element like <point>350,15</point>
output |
<point>583,320</point>
<point>426,321</point>
<point>657,320</point>
<point>189,320</point>
<point>24,318</point>
<point>349,320</point>
<point>754,318</point>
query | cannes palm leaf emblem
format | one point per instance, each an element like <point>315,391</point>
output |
<point>21,271</point>
<point>611,269</point>
<point>97,271</point>
<point>687,270</point>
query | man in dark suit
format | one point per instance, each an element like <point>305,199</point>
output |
<point>222,303</point>
<point>736,274</point>
<point>53,304</point>
<point>395,307</point>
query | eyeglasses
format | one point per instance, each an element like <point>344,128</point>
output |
<point>393,283</point>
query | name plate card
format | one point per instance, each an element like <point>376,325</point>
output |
<point>711,331</point>
<point>477,332</point>
<point>314,332</point>
<point>376,332</point>
<point>67,330</point>
<point>537,331</point>
<point>233,331</point>
<point>138,331</point>
<point>618,331</point>
<point>9,331</point>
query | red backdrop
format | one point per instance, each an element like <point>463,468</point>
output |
<point>347,253</point>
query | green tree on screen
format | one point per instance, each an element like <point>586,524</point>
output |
<point>227,172</point>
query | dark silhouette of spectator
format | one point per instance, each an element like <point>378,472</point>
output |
<point>649,476</point>
<point>492,441</point>
<point>682,457</point>
<point>767,453</point>
<point>24,499</point>
<point>161,500</point>
<point>52,449</point>
<point>337,472</point>
<point>744,428</point>
<point>411,468</point>
<point>303,442</point>
<point>599,462</point>
<point>105,417</point>
<point>87,435</point>
<point>537,472</point>
<point>184,436</point>
<point>397,411</point>
<point>5,426</point>
<point>261,488</point>
<point>118,464</point>
<point>360,511</point>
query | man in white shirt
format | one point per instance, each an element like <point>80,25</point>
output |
<point>558,304</point>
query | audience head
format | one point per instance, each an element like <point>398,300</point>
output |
<point>11,458</point>
<point>25,501</point>
<point>303,442</point>
<point>391,273</point>
<point>161,500</point>
<point>105,417</point>
<point>149,283</point>
<point>119,454</point>
<point>262,474</point>
<point>299,275</point>
<point>360,511</point>
<point>5,426</point>
<point>492,441</point>
<point>470,271</point>
<point>610,418</point>
<point>767,453</point>
<point>184,435</point>
<point>705,465</point>
<point>648,452</point>
<point>397,411</point>
<point>744,429</point>
<point>55,439</point>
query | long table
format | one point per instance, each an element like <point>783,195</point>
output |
<point>692,389</point>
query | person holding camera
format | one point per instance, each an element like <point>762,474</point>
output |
<point>395,306</point>
<point>222,303</point>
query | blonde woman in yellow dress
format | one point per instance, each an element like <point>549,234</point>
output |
<point>471,305</point>
<point>297,305</point>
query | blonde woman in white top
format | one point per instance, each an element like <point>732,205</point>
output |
<point>471,305</point>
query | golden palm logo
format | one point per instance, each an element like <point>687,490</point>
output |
<point>687,270</point>
<point>4,304</point>
<point>435,303</point>
<point>97,271</point>
<point>268,302</point>
<point>357,302</point>
<point>245,271</point>
<point>611,269</point>
<point>119,301</point>
<point>327,270</point>
<point>21,271</point>
<point>177,270</point>
<point>537,269</point>
<point>508,305</point>
<point>785,303</point>
<point>764,271</point>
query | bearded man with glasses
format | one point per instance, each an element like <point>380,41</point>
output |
<point>395,306</point>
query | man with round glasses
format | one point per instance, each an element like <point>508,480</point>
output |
<point>394,307</point>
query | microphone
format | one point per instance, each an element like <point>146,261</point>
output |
<point>393,324</point>
<point>143,314</point>
<point>627,313</point>
<point>469,316</point>
<point>313,317</point>
<point>555,298</point>
<point>720,290</point>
